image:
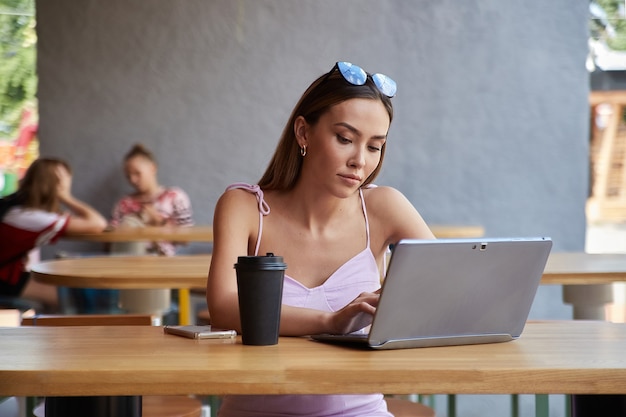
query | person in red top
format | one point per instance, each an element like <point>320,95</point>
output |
<point>32,217</point>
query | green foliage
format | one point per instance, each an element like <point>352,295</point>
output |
<point>18,54</point>
<point>615,16</point>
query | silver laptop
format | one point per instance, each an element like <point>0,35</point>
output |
<point>455,292</point>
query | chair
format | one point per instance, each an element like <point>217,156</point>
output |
<point>88,320</point>
<point>152,406</point>
<point>19,303</point>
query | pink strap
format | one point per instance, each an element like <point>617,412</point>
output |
<point>367,223</point>
<point>264,209</point>
<point>368,228</point>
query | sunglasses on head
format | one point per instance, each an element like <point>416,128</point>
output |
<point>356,75</point>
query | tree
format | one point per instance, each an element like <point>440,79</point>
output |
<point>608,22</point>
<point>18,53</point>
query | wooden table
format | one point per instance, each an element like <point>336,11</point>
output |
<point>565,357</point>
<point>586,280</point>
<point>200,233</point>
<point>130,273</point>
<point>578,268</point>
<point>126,272</point>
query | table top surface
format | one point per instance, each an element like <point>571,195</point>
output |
<point>126,272</point>
<point>579,268</point>
<point>550,357</point>
<point>191,271</point>
<point>135,234</point>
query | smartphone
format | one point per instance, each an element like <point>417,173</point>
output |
<point>200,332</point>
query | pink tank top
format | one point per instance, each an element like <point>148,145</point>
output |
<point>358,274</point>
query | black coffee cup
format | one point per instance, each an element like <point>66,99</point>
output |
<point>260,287</point>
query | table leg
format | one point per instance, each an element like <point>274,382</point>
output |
<point>568,406</point>
<point>589,301</point>
<point>155,302</point>
<point>122,406</point>
<point>514,405</point>
<point>451,405</point>
<point>598,405</point>
<point>215,403</point>
<point>184,307</point>
<point>135,301</point>
<point>542,405</point>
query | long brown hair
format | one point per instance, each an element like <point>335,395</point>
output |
<point>39,189</point>
<point>328,90</point>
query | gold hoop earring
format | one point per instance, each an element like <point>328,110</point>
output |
<point>303,150</point>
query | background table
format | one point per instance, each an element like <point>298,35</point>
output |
<point>126,272</point>
<point>585,278</point>
<point>129,273</point>
<point>579,268</point>
<point>120,235</point>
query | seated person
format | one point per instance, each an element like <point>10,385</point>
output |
<point>316,207</point>
<point>151,204</point>
<point>32,217</point>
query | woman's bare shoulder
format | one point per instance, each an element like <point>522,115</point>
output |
<point>383,198</point>
<point>388,208</point>
<point>236,211</point>
<point>237,200</point>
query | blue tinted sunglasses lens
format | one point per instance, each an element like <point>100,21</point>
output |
<point>386,85</point>
<point>352,73</point>
<point>355,75</point>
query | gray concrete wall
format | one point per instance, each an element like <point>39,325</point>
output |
<point>491,114</point>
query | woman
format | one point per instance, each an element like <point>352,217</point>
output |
<point>151,204</point>
<point>32,217</point>
<point>316,206</point>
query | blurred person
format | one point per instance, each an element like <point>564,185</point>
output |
<point>151,204</point>
<point>32,217</point>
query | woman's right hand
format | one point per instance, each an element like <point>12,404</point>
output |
<point>83,218</point>
<point>358,314</point>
